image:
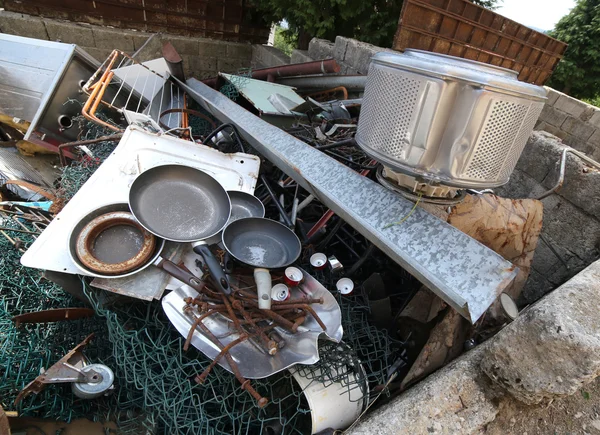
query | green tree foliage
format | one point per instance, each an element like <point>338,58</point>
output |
<point>372,21</point>
<point>284,40</point>
<point>578,73</point>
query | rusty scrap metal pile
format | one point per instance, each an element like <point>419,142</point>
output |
<point>245,246</point>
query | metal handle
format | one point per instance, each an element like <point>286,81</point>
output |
<point>214,267</point>
<point>181,274</point>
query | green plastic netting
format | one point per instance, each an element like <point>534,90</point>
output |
<point>154,388</point>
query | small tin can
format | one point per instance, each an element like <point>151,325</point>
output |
<point>318,261</point>
<point>293,276</point>
<point>280,292</point>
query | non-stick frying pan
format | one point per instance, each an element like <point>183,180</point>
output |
<point>183,204</point>
<point>263,244</point>
<point>243,205</point>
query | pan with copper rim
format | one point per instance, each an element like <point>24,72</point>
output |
<point>111,243</point>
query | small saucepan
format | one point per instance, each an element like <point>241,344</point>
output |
<point>109,243</point>
<point>183,204</point>
<point>263,244</point>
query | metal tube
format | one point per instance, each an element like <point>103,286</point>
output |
<point>563,164</point>
<point>351,83</point>
<point>326,66</point>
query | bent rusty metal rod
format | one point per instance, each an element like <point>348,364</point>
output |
<point>261,401</point>
<point>246,336</point>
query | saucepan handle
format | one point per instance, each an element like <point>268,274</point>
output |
<point>179,273</point>
<point>262,278</point>
<point>214,267</point>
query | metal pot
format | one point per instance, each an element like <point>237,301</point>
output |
<point>445,119</point>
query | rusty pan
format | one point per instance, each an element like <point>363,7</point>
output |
<point>109,257</point>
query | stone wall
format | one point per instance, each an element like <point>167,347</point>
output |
<point>575,122</point>
<point>548,352</point>
<point>265,56</point>
<point>352,55</point>
<point>202,57</point>
<point>570,238</point>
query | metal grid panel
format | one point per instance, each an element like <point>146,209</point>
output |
<point>496,142</point>
<point>384,131</point>
<point>521,140</point>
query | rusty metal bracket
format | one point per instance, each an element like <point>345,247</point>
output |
<point>53,315</point>
<point>67,369</point>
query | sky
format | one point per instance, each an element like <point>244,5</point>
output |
<point>539,14</point>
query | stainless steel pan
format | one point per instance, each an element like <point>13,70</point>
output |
<point>183,204</point>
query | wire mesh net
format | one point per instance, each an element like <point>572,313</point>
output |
<point>154,377</point>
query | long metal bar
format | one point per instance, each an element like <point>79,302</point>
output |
<point>318,83</point>
<point>462,271</point>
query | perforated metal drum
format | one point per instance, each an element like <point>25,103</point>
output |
<point>445,119</point>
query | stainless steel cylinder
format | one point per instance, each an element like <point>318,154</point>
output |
<point>445,119</point>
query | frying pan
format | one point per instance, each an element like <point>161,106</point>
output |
<point>243,205</point>
<point>183,204</point>
<point>155,259</point>
<point>263,244</point>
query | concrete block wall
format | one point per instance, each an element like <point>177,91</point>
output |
<point>265,56</point>
<point>575,122</point>
<point>353,56</point>
<point>570,238</point>
<point>202,57</point>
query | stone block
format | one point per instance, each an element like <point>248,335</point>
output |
<point>347,70</point>
<point>231,66</point>
<point>553,348</point>
<point>300,56</point>
<point>595,118</point>
<point>588,113</point>
<point>455,399</point>
<point>581,185</point>
<point>265,56</point>
<point>570,105</point>
<point>536,286</point>
<point>552,116</point>
<point>358,55</point>
<point>201,63</point>
<point>520,186</point>
<point>70,33</point>
<point>140,38</point>
<point>578,128</point>
<point>151,50</point>
<point>552,96</point>
<point>239,51</point>
<point>183,45</point>
<point>105,37</point>
<point>320,49</point>
<point>100,54</point>
<point>572,228</point>
<point>22,25</point>
<point>540,156</point>
<point>339,50</point>
<point>211,48</point>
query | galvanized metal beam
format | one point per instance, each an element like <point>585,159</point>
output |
<point>460,270</point>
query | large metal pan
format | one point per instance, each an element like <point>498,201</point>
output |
<point>263,244</point>
<point>183,204</point>
<point>120,250</point>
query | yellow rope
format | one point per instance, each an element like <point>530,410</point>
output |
<point>407,216</point>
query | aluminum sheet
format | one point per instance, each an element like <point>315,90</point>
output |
<point>459,269</point>
<point>137,151</point>
<point>253,362</point>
